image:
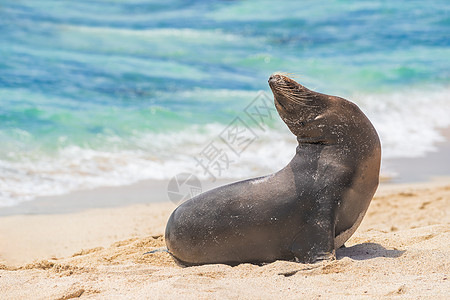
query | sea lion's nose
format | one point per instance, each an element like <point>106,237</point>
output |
<point>273,78</point>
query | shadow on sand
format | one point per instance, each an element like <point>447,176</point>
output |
<point>367,251</point>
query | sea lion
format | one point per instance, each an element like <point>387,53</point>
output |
<point>304,211</point>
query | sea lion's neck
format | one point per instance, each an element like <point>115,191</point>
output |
<point>312,146</point>
<point>315,147</point>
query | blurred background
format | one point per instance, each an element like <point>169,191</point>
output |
<point>102,93</point>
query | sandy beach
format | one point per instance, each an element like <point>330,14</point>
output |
<point>400,250</point>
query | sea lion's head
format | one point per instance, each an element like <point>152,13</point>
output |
<point>301,109</point>
<point>314,117</point>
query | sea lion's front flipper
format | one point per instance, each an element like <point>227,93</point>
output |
<point>313,243</point>
<point>315,240</point>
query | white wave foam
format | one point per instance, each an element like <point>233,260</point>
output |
<point>408,124</point>
<point>157,156</point>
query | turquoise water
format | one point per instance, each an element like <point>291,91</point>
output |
<point>111,92</point>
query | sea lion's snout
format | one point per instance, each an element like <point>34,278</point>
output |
<point>274,79</point>
<point>280,82</point>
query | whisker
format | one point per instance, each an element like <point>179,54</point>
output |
<point>287,74</point>
<point>295,96</point>
<point>293,93</point>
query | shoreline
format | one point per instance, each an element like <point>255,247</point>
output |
<point>142,192</point>
<point>432,165</point>
<point>416,170</point>
<point>428,168</point>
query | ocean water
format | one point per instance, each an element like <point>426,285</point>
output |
<point>107,92</point>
